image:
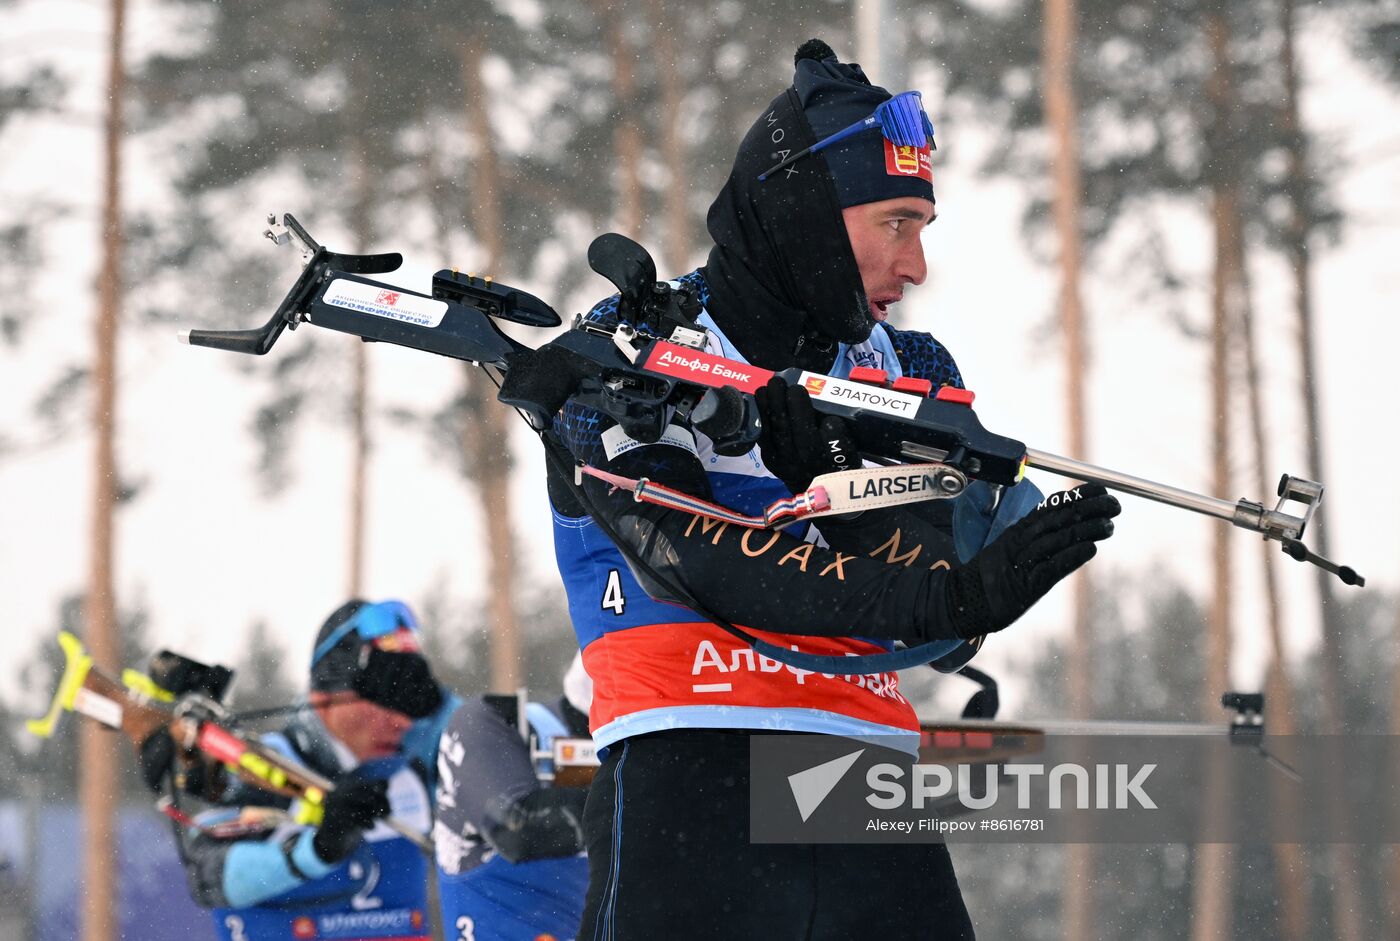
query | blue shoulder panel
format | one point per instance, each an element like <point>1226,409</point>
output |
<point>923,357</point>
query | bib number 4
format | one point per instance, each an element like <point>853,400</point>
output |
<point>613,599</point>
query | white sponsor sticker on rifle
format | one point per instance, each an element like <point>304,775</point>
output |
<point>574,752</point>
<point>861,395</point>
<point>870,488</point>
<point>386,302</point>
<point>616,441</point>
<point>95,706</point>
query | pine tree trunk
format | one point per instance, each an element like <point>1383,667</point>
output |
<point>1061,115</point>
<point>486,438</point>
<point>1392,898</point>
<point>99,780</point>
<point>1346,897</point>
<point>677,225</point>
<point>1212,880</point>
<point>1289,864</point>
<point>867,18</point>
<point>360,228</point>
<point>627,135</point>
<point>359,468</point>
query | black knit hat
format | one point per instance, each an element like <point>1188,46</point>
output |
<point>865,166</point>
<point>335,668</point>
<point>353,642</point>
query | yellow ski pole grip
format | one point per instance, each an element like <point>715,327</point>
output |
<point>76,664</point>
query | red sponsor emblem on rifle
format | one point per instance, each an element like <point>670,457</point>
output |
<point>387,298</point>
<point>704,369</point>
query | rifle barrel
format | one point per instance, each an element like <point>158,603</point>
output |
<point>1095,727</point>
<point>1137,486</point>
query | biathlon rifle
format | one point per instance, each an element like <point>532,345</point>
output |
<point>977,738</point>
<point>652,365</point>
<point>196,722</point>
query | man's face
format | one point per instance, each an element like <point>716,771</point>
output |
<point>367,729</point>
<point>885,238</point>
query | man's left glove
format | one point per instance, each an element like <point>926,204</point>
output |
<point>158,759</point>
<point>399,681</point>
<point>350,809</point>
<point>1002,581</point>
<point>797,444</point>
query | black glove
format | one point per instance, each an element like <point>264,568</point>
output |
<point>196,777</point>
<point>349,810</point>
<point>798,444</point>
<point>1013,573</point>
<point>399,681</point>
<point>156,758</point>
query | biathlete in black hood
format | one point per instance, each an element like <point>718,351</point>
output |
<point>784,282</point>
<point>814,239</point>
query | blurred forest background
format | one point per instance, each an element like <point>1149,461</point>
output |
<point>501,137</point>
